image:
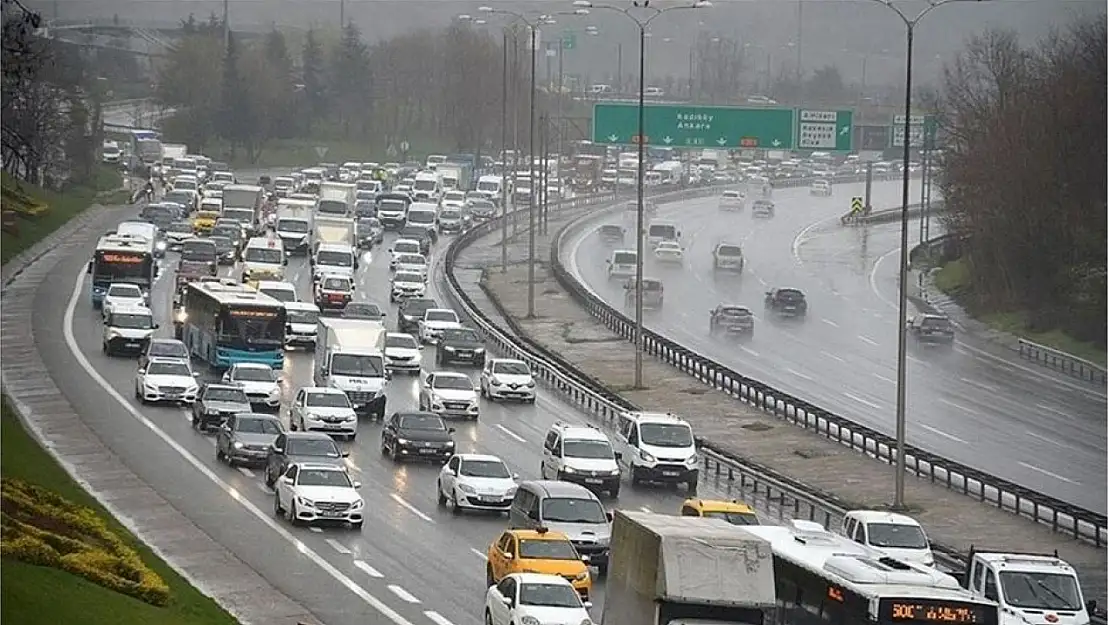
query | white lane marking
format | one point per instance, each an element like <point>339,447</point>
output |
<point>264,517</point>
<point>800,238</point>
<point>511,434</point>
<point>338,546</point>
<point>366,568</point>
<point>478,553</point>
<point>883,378</point>
<point>315,529</point>
<point>645,509</point>
<point>351,465</point>
<point>872,279</point>
<point>747,350</point>
<point>799,374</point>
<point>833,356</point>
<point>865,339</point>
<point>247,472</point>
<point>955,405</point>
<point>411,508</point>
<point>861,400</point>
<point>437,618</point>
<point>985,387</point>
<point>1054,410</point>
<point>1032,467</point>
<point>830,322</point>
<point>402,594</point>
<point>1047,439</point>
<point>943,433</point>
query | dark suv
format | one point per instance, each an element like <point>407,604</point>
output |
<point>931,328</point>
<point>215,403</point>
<point>786,302</point>
<point>461,345</point>
<point>412,311</point>
<point>291,447</point>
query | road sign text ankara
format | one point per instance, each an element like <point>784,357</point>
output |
<point>682,126</point>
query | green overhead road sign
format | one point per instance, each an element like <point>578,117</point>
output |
<point>730,127</point>
<point>569,39</point>
<point>923,131</point>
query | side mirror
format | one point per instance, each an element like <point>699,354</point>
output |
<point>507,556</point>
<point>609,516</point>
<point>196,374</point>
<point>141,370</point>
<point>157,325</point>
<point>278,450</point>
<point>450,430</point>
<point>345,454</point>
<point>618,455</point>
<point>586,559</point>
<point>356,484</point>
<point>516,476</point>
<point>1092,606</point>
<point>286,479</point>
<point>587,604</point>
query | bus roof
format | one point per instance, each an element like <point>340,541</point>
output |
<point>243,187</point>
<point>124,243</point>
<point>143,133</point>
<point>859,568</point>
<point>233,293</point>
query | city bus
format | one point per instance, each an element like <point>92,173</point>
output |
<point>224,323</point>
<point>121,258</point>
<point>823,578</point>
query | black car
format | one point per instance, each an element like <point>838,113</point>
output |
<point>412,311</point>
<point>417,435</point>
<point>611,234</point>
<point>363,310</point>
<point>163,348</point>
<point>233,231</point>
<point>215,403</point>
<point>786,302</point>
<point>369,232</point>
<point>292,447</point>
<point>426,236</point>
<point>732,320</point>
<point>246,439</point>
<point>226,250</point>
<point>931,328</point>
<point>461,345</point>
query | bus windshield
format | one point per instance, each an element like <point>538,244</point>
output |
<point>134,267</point>
<point>251,328</point>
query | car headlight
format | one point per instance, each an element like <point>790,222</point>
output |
<point>581,577</point>
<point>529,620</point>
<point>480,350</point>
<point>450,443</point>
<point>357,505</point>
<point>568,470</point>
<point>237,445</point>
<point>306,502</point>
<point>466,488</point>
<point>211,411</point>
<point>150,387</point>
<point>275,391</point>
<point>495,381</point>
<point>161,245</point>
<point>692,460</point>
<point>403,441</point>
<point>531,384</point>
<point>646,457</point>
<point>615,472</point>
<point>510,493</point>
<point>448,348</point>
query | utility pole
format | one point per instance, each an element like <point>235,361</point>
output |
<point>559,119</point>
<point>227,24</point>
<point>342,14</point>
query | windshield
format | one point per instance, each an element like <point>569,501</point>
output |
<point>730,195</point>
<point>185,185</point>
<point>511,368</point>
<point>452,383</point>
<point>251,328</point>
<point>450,213</point>
<point>169,368</point>
<point>391,206</point>
<point>422,422</point>
<point>406,247</point>
<point>257,426</point>
<point>222,243</point>
<point>334,258</point>
<point>332,207</point>
<point>336,284</point>
<point>460,336</point>
<point>357,365</point>
<point>198,251</point>
<point>253,374</point>
<point>736,518</point>
<point>572,510</point>
<point>312,447</point>
<point>666,434</point>
<point>896,536</point>
<point>125,291</point>
<point>400,341</point>
<point>488,185</point>
<point>408,277</point>
<point>281,295</point>
<point>454,196</point>
<point>484,468</point>
<point>327,400</point>
<point>1049,591</point>
<point>238,214</point>
<point>600,450</point>
<point>323,477</point>
<point>441,315</point>
<point>265,255</point>
<point>549,595</point>
<point>369,311</point>
<point>425,185</point>
<point>225,394</point>
<point>228,232</point>
<point>548,550</point>
<point>625,258</point>
<point>411,259</point>
<point>728,250</point>
<point>292,225</point>
<point>302,316</point>
<point>180,226</point>
<point>132,322</point>
<point>421,217</point>
<point>172,349</point>
<point>661,231</point>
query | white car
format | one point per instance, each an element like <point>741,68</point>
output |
<point>534,598</point>
<point>122,296</point>
<point>449,394</point>
<point>821,187</point>
<point>476,482</point>
<point>505,378</point>
<point>669,252</point>
<point>308,492</point>
<point>406,284</point>
<point>456,199</point>
<point>259,381</point>
<point>323,409</point>
<point>168,380</point>
<point>402,353</point>
<point>415,263</point>
<point>731,201</point>
<point>434,322</point>
<point>400,248</point>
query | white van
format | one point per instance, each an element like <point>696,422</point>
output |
<point>622,264</point>
<point>334,259</point>
<point>897,535</point>
<point>660,231</point>
<point>264,259</point>
<point>490,186</point>
<point>658,447</point>
<point>423,215</point>
<point>427,187</point>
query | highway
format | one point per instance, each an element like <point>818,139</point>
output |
<point>412,562</point>
<point>970,403</point>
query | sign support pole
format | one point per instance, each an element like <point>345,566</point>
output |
<point>639,338</point>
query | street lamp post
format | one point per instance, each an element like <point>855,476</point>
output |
<point>903,264</point>
<point>642,25</point>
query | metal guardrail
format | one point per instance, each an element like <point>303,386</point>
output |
<point>1059,515</point>
<point>1062,361</point>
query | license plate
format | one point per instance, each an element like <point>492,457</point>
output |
<point>332,515</point>
<point>173,395</point>
<point>670,473</point>
<point>428,451</point>
<point>490,499</point>
<point>593,480</point>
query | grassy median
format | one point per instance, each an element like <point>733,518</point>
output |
<point>44,595</point>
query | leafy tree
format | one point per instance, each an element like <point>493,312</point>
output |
<point>312,78</point>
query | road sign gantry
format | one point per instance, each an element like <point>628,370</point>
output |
<point>726,127</point>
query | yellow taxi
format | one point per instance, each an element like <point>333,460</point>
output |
<point>204,221</point>
<point>733,511</point>
<point>537,551</point>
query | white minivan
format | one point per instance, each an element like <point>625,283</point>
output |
<point>622,264</point>
<point>658,447</point>
<point>897,535</point>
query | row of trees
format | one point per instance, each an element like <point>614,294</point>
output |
<point>1025,175</point>
<point>48,104</point>
<point>329,85</point>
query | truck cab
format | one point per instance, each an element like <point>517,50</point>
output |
<point>1030,589</point>
<point>350,357</point>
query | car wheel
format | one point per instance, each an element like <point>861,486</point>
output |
<point>220,455</point>
<point>616,492</point>
<point>352,436</point>
<point>482,391</point>
<point>455,509</point>
<point>357,526</point>
<point>394,454</point>
<point>291,514</point>
<point>421,402</point>
<point>489,621</point>
<point>441,499</point>
<point>270,479</point>
<point>530,400</point>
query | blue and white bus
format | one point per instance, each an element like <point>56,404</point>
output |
<point>121,258</point>
<point>224,323</point>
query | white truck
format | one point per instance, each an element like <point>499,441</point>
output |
<point>1030,588</point>
<point>332,231</point>
<point>715,159</point>
<point>672,570</point>
<point>350,357</point>
<point>294,224</point>
<point>337,199</point>
<point>172,152</point>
